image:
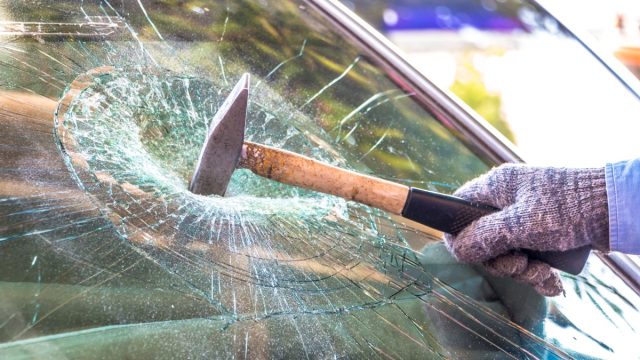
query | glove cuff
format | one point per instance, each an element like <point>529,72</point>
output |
<point>592,183</point>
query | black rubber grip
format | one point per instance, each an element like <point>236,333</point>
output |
<point>451,214</point>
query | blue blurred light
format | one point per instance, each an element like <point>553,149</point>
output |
<point>448,17</point>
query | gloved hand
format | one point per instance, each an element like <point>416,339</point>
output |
<point>541,209</point>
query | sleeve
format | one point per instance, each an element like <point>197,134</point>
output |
<point>623,193</point>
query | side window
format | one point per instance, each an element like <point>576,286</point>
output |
<point>522,71</point>
<point>105,253</point>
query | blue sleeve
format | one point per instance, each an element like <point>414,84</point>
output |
<point>623,193</point>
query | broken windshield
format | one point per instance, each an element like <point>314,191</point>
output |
<point>104,251</point>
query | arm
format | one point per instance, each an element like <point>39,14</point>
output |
<point>623,193</point>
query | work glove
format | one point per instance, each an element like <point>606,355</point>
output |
<point>542,209</point>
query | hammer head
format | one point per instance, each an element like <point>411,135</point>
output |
<point>223,145</point>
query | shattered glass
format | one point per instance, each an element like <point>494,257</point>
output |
<point>104,106</point>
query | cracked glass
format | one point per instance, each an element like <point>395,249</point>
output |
<point>104,106</point>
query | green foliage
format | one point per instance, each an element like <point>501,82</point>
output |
<point>470,87</point>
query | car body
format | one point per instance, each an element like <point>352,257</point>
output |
<point>105,253</point>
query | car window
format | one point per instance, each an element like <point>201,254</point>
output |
<point>104,106</point>
<point>520,69</point>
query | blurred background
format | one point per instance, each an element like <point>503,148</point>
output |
<point>518,67</point>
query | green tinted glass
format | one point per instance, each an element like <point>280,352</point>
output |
<point>104,253</point>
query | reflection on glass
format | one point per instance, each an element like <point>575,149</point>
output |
<point>104,252</point>
<point>522,71</point>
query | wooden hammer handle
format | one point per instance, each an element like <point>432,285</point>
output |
<point>294,169</point>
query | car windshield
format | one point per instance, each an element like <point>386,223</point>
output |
<point>104,106</point>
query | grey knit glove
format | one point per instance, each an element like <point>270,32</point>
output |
<point>542,209</point>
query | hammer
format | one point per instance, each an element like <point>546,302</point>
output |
<point>224,150</point>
